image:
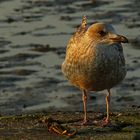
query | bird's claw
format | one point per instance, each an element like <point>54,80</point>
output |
<point>105,122</point>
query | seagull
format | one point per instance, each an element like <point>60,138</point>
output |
<point>95,61</point>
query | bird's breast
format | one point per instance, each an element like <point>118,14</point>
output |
<point>95,68</point>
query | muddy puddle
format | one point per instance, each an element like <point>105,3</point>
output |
<point>33,38</point>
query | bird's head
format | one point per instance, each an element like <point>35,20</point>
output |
<point>105,33</point>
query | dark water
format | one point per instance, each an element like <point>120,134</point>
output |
<point>33,37</point>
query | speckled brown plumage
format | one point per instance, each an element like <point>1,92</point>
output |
<point>94,58</point>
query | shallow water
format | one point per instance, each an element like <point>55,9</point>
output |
<point>33,36</point>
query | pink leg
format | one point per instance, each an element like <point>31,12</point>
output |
<point>84,98</point>
<point>106,121</point>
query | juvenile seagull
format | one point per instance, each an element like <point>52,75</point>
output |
<point>95,61</point>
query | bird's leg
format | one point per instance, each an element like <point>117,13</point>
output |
<point>84,98</point>
<point>106,121</point>
<point>108,105</point>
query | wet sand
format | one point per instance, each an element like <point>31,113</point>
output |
<point>33,38</point>
<point>124,125</point>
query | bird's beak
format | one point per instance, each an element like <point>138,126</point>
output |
<point>118,38</point>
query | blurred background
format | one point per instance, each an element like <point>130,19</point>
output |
<point>33,39</point>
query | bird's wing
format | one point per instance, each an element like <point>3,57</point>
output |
<point>78,34</point>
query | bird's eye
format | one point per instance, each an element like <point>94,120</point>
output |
<point>102,33</point>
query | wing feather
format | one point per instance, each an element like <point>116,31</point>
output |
<point>78,34</point>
